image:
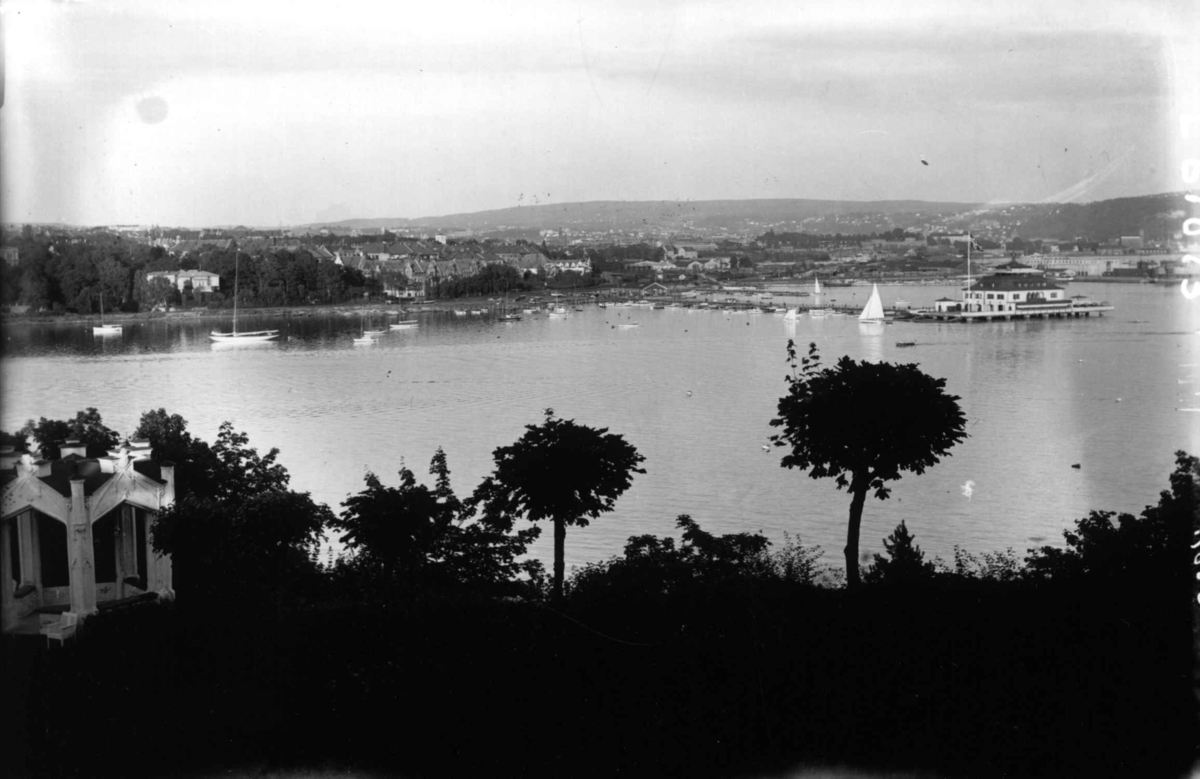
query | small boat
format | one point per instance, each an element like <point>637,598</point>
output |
<point>253,336</point>
<point>792,315</point>
<point>366,339</point>
<point>103,329</point>
<point>906,343</point>
<point>872,313</point>
<point>374,333</point>
<point>803,294</point>
<point>819,313</point>
<point>816,286</point>
<point>558,313</point>
<point>403,324</point>
<point>509,318</point>
<point>460,312</point>
<point>628,326</point>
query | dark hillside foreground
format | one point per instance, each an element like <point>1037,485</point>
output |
<point>720,680</point>
<point>435,650</point>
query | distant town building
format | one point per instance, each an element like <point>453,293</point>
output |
<point>11,255</point>
<point>201,280</point>
<point>581,265</point>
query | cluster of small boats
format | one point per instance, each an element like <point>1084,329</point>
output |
<point>370,336</point>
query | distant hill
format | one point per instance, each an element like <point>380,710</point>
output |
<point>634,214</point>
<point>1157,216</point>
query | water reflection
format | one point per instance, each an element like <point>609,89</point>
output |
<point>1038,397</point>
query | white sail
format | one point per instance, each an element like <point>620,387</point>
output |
<point>816,286</point>
<point>873,311</point>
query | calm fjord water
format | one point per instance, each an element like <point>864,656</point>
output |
<point>692,390</point>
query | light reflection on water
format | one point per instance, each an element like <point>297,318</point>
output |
<point>1039,396</point>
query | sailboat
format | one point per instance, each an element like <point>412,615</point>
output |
<point>103,329</point>
<point>818,312</point>
<point>507,315</point>
<point>366,337</point>
<point>373,333</point>
<point>404,324</point>
<point>250,336</point>
<point>873,311</point>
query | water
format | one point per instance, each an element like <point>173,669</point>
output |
<point>692,390</point>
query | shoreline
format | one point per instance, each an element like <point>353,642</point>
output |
<point>286,311</point>
<point>412,308</point>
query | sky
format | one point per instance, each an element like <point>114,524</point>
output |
<point>269,114</point>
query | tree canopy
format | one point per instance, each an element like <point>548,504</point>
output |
<point>864,424</point>
<point>87,427</point>
<point>560,471</point>
<point>418,536</point>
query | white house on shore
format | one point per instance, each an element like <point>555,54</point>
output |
<point>75,535</point>
<point>201,280</point>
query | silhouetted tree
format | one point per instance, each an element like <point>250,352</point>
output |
<point>1138,550</point>
<point>905,562</point>
<point>246,535</point>
<point>87,427</point>
<point>196,467</point>
<point>420,535</point>
<point>864,424</point>
<point>559,471</point>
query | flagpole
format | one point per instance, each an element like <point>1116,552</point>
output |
<point>970,241</point>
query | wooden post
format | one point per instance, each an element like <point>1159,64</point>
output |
<point>126,549</point>
<point>158,573</point>
<point>80,553</point>
<point>8,606</point>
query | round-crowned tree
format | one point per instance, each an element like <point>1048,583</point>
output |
<point>561,471</point>
<point>864,424</point>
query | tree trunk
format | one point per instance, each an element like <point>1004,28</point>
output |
<point>858,492</point>
<point>560,539</point>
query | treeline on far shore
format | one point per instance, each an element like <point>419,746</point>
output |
<point>436,647</point>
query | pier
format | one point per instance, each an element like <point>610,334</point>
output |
<point>1028,311</point>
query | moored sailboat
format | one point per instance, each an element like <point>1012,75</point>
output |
<point>103,329</point>
<point>250,336</point>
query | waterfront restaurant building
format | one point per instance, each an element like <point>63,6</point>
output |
<point>75,534</point>
<point>1012,287</point>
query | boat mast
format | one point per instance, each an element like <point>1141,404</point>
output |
<point>236,258</point>
<point>966,294</point>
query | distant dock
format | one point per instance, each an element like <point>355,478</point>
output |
<point>1037,311</point>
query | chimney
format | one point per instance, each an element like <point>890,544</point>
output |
<point>167,470</point>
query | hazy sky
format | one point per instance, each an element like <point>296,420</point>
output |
<point>272,113</point>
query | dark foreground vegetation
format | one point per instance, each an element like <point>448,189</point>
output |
<point>434,648</point>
